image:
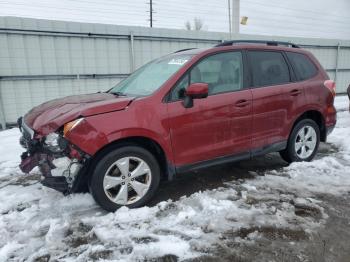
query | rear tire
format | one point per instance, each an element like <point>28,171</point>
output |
<point>303,142</point>
<point>127,176</point>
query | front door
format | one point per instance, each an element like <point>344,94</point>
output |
<point>216,126</point>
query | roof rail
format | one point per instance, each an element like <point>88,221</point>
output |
<point>181,50</point>
<point>272,43</point>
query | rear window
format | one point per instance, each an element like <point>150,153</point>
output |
<point>304,68</point>
<point>268,68</point>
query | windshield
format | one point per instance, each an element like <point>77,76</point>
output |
<point>151,76</point>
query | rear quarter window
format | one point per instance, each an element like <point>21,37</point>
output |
<point>304,68</point>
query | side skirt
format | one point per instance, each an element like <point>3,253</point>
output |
<point>213,162</point>
<point>279,146</point>
<point>232,158</point>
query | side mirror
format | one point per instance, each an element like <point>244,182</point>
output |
<point>195,91</point>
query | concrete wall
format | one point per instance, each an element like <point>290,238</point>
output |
<point>42,59</point>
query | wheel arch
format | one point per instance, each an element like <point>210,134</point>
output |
<point>316,116</point>
<point>167,170</point>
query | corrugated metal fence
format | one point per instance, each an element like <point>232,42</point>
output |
<point>42,59</point>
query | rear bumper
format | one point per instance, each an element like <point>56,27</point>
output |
<point>330,121</point>
<point>329,129</point>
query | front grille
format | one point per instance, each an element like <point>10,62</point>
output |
<point>27,132</point>
<point>27,140</point>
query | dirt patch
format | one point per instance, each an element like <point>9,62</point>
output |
<point>308,211</point>
<point>332,241</point>
<point>329,243</point>
<point>214,177</point>
<point>101,255</point>
<point>265,243</point>
<point>27,180</point>
<point>144,240</point>
<point>80,235</point>
<point>326,149</point>
<point>173,233</point>
<point>44,258</point>
<point>165,258</point>
<point>270,233</point>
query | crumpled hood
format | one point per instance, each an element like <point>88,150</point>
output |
<point>50,116</point>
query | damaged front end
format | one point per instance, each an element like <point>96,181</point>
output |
<point>60,162</point>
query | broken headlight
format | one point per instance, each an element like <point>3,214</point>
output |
<point>52,139</point>
<point>55,143</point>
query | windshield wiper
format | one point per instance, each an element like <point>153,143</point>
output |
<point>117,93</point>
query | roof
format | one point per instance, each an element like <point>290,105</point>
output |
<point>245,44</point>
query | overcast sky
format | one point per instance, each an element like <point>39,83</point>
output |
<point>307,18</point>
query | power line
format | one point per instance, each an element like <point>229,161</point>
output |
<point>261,19</point>
<point>324,12</point>
<point>298,10</point>
<point>71,10</point>
<point>170,15</point>
<point>105,13</point>
<point>183,10</point>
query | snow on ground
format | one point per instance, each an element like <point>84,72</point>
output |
<point>342,102</point>
<point>37,222</point>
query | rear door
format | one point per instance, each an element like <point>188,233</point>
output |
<point>276,98</point>
<point>216,126</point>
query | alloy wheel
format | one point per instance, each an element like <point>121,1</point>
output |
<point>127,180</point>
<point>305,142</point>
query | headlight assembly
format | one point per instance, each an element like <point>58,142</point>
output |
<point>71,125</point>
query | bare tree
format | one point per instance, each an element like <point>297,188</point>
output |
<point>188,25</point>
<point>197,24</point>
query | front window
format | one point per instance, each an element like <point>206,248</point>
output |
<point>222,72</point>
<point>151,76</point>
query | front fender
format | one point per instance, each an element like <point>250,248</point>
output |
<point>90,139</point>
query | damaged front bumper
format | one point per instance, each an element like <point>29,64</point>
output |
<point>60,162</point>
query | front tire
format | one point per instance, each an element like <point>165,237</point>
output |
<point>127,176</point>
<point>303,142</point>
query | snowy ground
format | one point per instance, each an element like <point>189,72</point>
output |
<point>257,210</point>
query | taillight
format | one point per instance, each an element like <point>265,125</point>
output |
<point>330,84</point>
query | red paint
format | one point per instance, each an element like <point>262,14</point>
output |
<point>213,127</point>
<point>51,115</point>
<point>330,84</point>
<point>219,125</point>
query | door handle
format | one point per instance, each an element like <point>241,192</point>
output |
<point>242,103</point>
<point>295,92</point>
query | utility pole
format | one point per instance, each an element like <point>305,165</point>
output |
<point>229,17</point>
<point>235,16</point>
<point>150,13</point>
<point>2,113</point>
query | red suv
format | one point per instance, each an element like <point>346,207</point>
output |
<point>187,110</point>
